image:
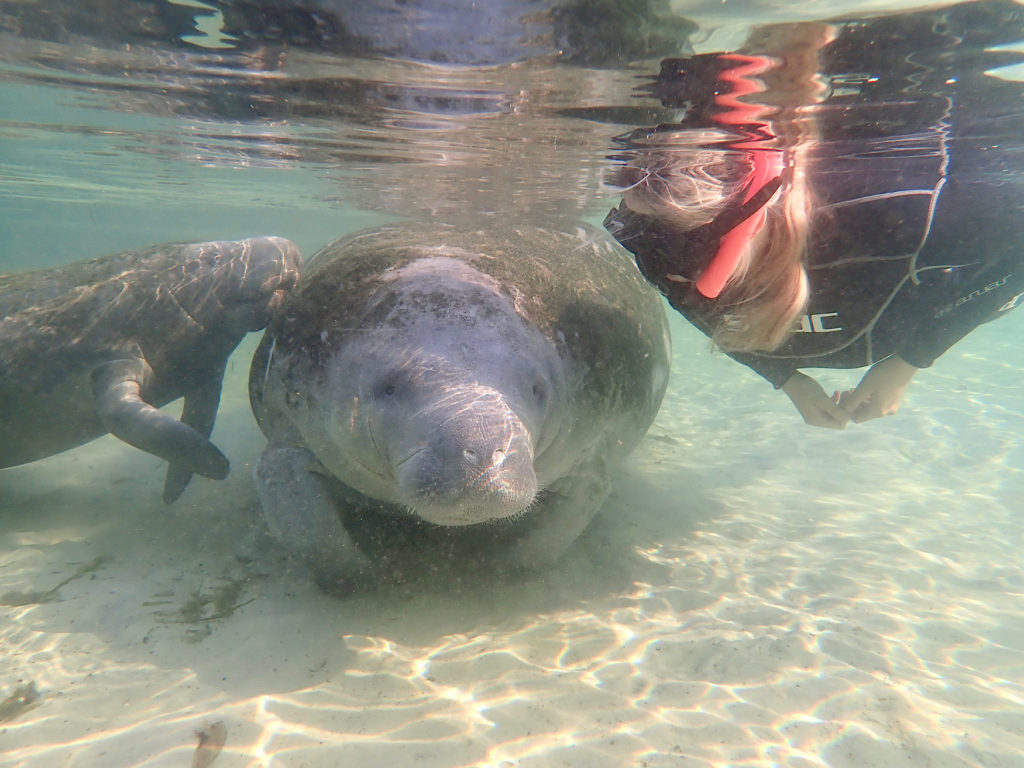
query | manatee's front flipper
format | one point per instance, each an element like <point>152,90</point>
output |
<point>199,412</point>
<point>302,516</point>
<point>117,389</point>
<point>565,509</point>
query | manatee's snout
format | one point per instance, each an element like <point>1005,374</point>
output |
<point>473,466</point>
<point>268,267</point>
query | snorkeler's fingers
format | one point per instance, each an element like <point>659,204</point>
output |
<point>841,398</point>
<point>838,415</point>
<point>864,413</point>
<point>814,403</point>
<point>826,420</point>
<point>874,408</point>
<point>854,400</point>
<point>825,414</point>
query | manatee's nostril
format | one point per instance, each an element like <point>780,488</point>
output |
<point>472,456</point>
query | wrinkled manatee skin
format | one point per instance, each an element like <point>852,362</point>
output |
<point>454,394</point>
<point>99,346</point>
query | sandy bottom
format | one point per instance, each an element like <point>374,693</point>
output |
<point>756,592</point>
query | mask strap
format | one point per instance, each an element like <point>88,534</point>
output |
<point>767,175</point>
<point>767,169</point>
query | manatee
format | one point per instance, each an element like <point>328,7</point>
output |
<point>473,387</point>
<point>96,347</point>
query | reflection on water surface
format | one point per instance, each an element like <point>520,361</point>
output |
<point>755,592</point>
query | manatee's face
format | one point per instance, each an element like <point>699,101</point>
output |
<point>454,447</point>
<point>442,412</point>
<point>237,285</point>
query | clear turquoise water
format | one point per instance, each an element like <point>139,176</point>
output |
<point>755,592</point>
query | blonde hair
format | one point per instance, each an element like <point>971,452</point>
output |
<point>685,177</point>
<point>683,188</point>
<point>767,294</point>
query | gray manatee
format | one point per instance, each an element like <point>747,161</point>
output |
<point>98,346</point>
<point>473,387</point>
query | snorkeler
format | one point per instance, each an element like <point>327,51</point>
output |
<point>875,223</point>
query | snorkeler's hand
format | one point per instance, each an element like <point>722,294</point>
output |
<point>881,390</point>
<point>817,408</point>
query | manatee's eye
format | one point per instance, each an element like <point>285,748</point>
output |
<point>540,392</point>
<point>397,383</point>
<point>387,386</point>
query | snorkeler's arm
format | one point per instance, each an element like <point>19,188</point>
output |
<point>934,335</point>
<point>806,394</point>
<point>813,403</point>
<point>776,370</point>
<point>880,392</point>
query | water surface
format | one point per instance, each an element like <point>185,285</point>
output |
<point>755,592</point>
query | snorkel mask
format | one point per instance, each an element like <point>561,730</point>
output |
<point>664,254</point>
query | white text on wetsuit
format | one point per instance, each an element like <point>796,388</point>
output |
<point>975,294</point>
<point>822,322</point>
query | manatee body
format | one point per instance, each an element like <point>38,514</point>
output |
<point>98,346</point>
<point>473,387</point>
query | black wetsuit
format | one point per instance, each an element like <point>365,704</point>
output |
<point>905,259</point>
<point>918,228</point>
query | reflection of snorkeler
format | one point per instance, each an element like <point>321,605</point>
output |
<point>881,236</point>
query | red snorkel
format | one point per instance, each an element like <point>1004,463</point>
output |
<point>767,167</point>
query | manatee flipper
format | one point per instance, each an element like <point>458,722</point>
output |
<point>566,507</point>
<point>117,390</point>
<point>199,412</point>
<point>301,515</point>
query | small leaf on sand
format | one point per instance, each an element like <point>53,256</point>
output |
<point>211,742</point>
